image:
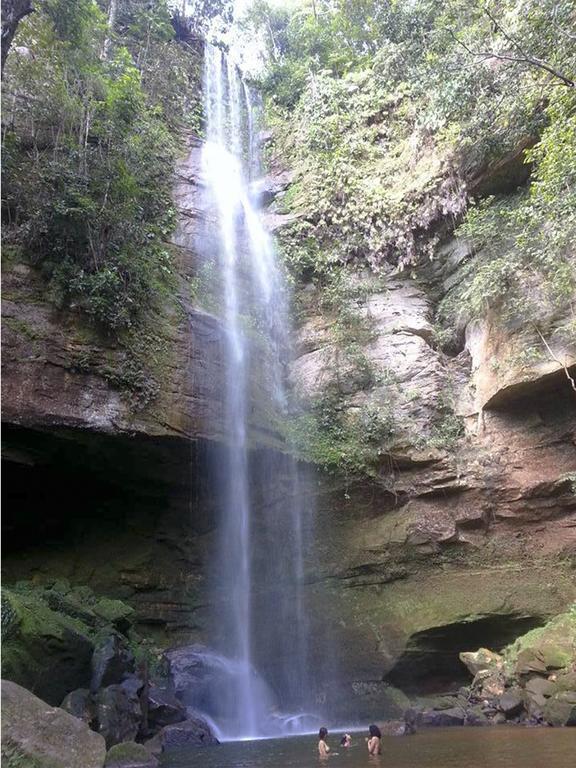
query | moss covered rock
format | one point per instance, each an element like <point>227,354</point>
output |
<point>35,735</point>
<point>553,646</point>
<point>49,636</point>
<point>560,709</point>
<point>130,755</point>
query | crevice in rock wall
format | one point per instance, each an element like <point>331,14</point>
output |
<point>430,663</point>
<point>128,516</point>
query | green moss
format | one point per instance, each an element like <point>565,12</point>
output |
<point>112,611</point>
<point>127,753</point>
<point>22,328</point>
<point>456,595</point>
<point>49,634</point>
<point>14,757</point>
<point>555,642</point>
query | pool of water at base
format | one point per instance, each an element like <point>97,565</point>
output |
<point>496,747</point>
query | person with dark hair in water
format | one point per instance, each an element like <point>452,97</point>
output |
<point>373,741</point>
<point>323,748</point>
<point>346,740</point>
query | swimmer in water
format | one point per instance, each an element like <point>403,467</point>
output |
<point>323,748</point>
<point>373,741</point>
<point>346,740</point>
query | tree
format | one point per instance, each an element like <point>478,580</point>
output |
<point>13,11</point>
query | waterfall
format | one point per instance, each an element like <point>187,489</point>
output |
<point>260,616</point>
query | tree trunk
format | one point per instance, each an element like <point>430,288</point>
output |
<point>112,10</point>
<point>13,11</point>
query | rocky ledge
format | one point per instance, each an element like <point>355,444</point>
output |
<point>533,682</point>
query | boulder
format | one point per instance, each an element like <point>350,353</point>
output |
<point>432,718</point>
<point>188,667</point>
<point>112,662</point>
<point>154,745</point>
<point>44,649</point>
<point>79,704</point>
<point>537,690</point>
<point>163,708</point>
<point>530,661</point>
<point>552,646</point>
<point>564,681</point>
<point>396,728</point>
<point>192,732</point>
<point>539,686</point>
<point>511,702</point>
<point>560,709</point>
<point>133,685</point>
<point>114,612</point>
<point>445,702</point>
<point>130,755</point>
<point>476,716</point>
<point>35,734</point>
<point>481,660</point>
<point>489,684</point>
<point>118,715</point>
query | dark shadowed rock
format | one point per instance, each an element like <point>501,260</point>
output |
<point>45,649</point>
<point>537,690</point>
<point>79,704</point>
<point>35,734</point>
<point>192,732</point>
<point>164,708</point>
<point>111,663</point>
<point>130,755</point>
<point>476,716</point>
<point>432,718</point>
<point>187,667</point>
<point>133,685</point>
<point>511,702</point>
<point>118,715</point>
<point>560,709</point>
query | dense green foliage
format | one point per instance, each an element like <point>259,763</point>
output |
<point>91,116</point>
<point>389,111</point>
<point>394,117</point>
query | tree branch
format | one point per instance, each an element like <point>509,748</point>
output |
<point>557,360</point>
<point>13,11</point>
<point>523,58</point>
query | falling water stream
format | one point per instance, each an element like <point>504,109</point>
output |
<point>260,617</point>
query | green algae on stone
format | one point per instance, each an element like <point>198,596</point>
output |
<point>554,643</point>
<point>49,637</point>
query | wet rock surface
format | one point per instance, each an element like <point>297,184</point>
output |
<point>163,707</point>
<point>118,715</point>
<point>112,661</point>
<point>194,732</point>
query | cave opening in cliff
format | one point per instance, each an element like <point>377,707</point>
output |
<point>431,664</point>
<point>73,489</point>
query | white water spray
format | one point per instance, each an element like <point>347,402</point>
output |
<point>261,615</point>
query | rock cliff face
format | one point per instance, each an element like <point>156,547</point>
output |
<point>107,441</point>
<point>463,529</point>
<point>463,533</point>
